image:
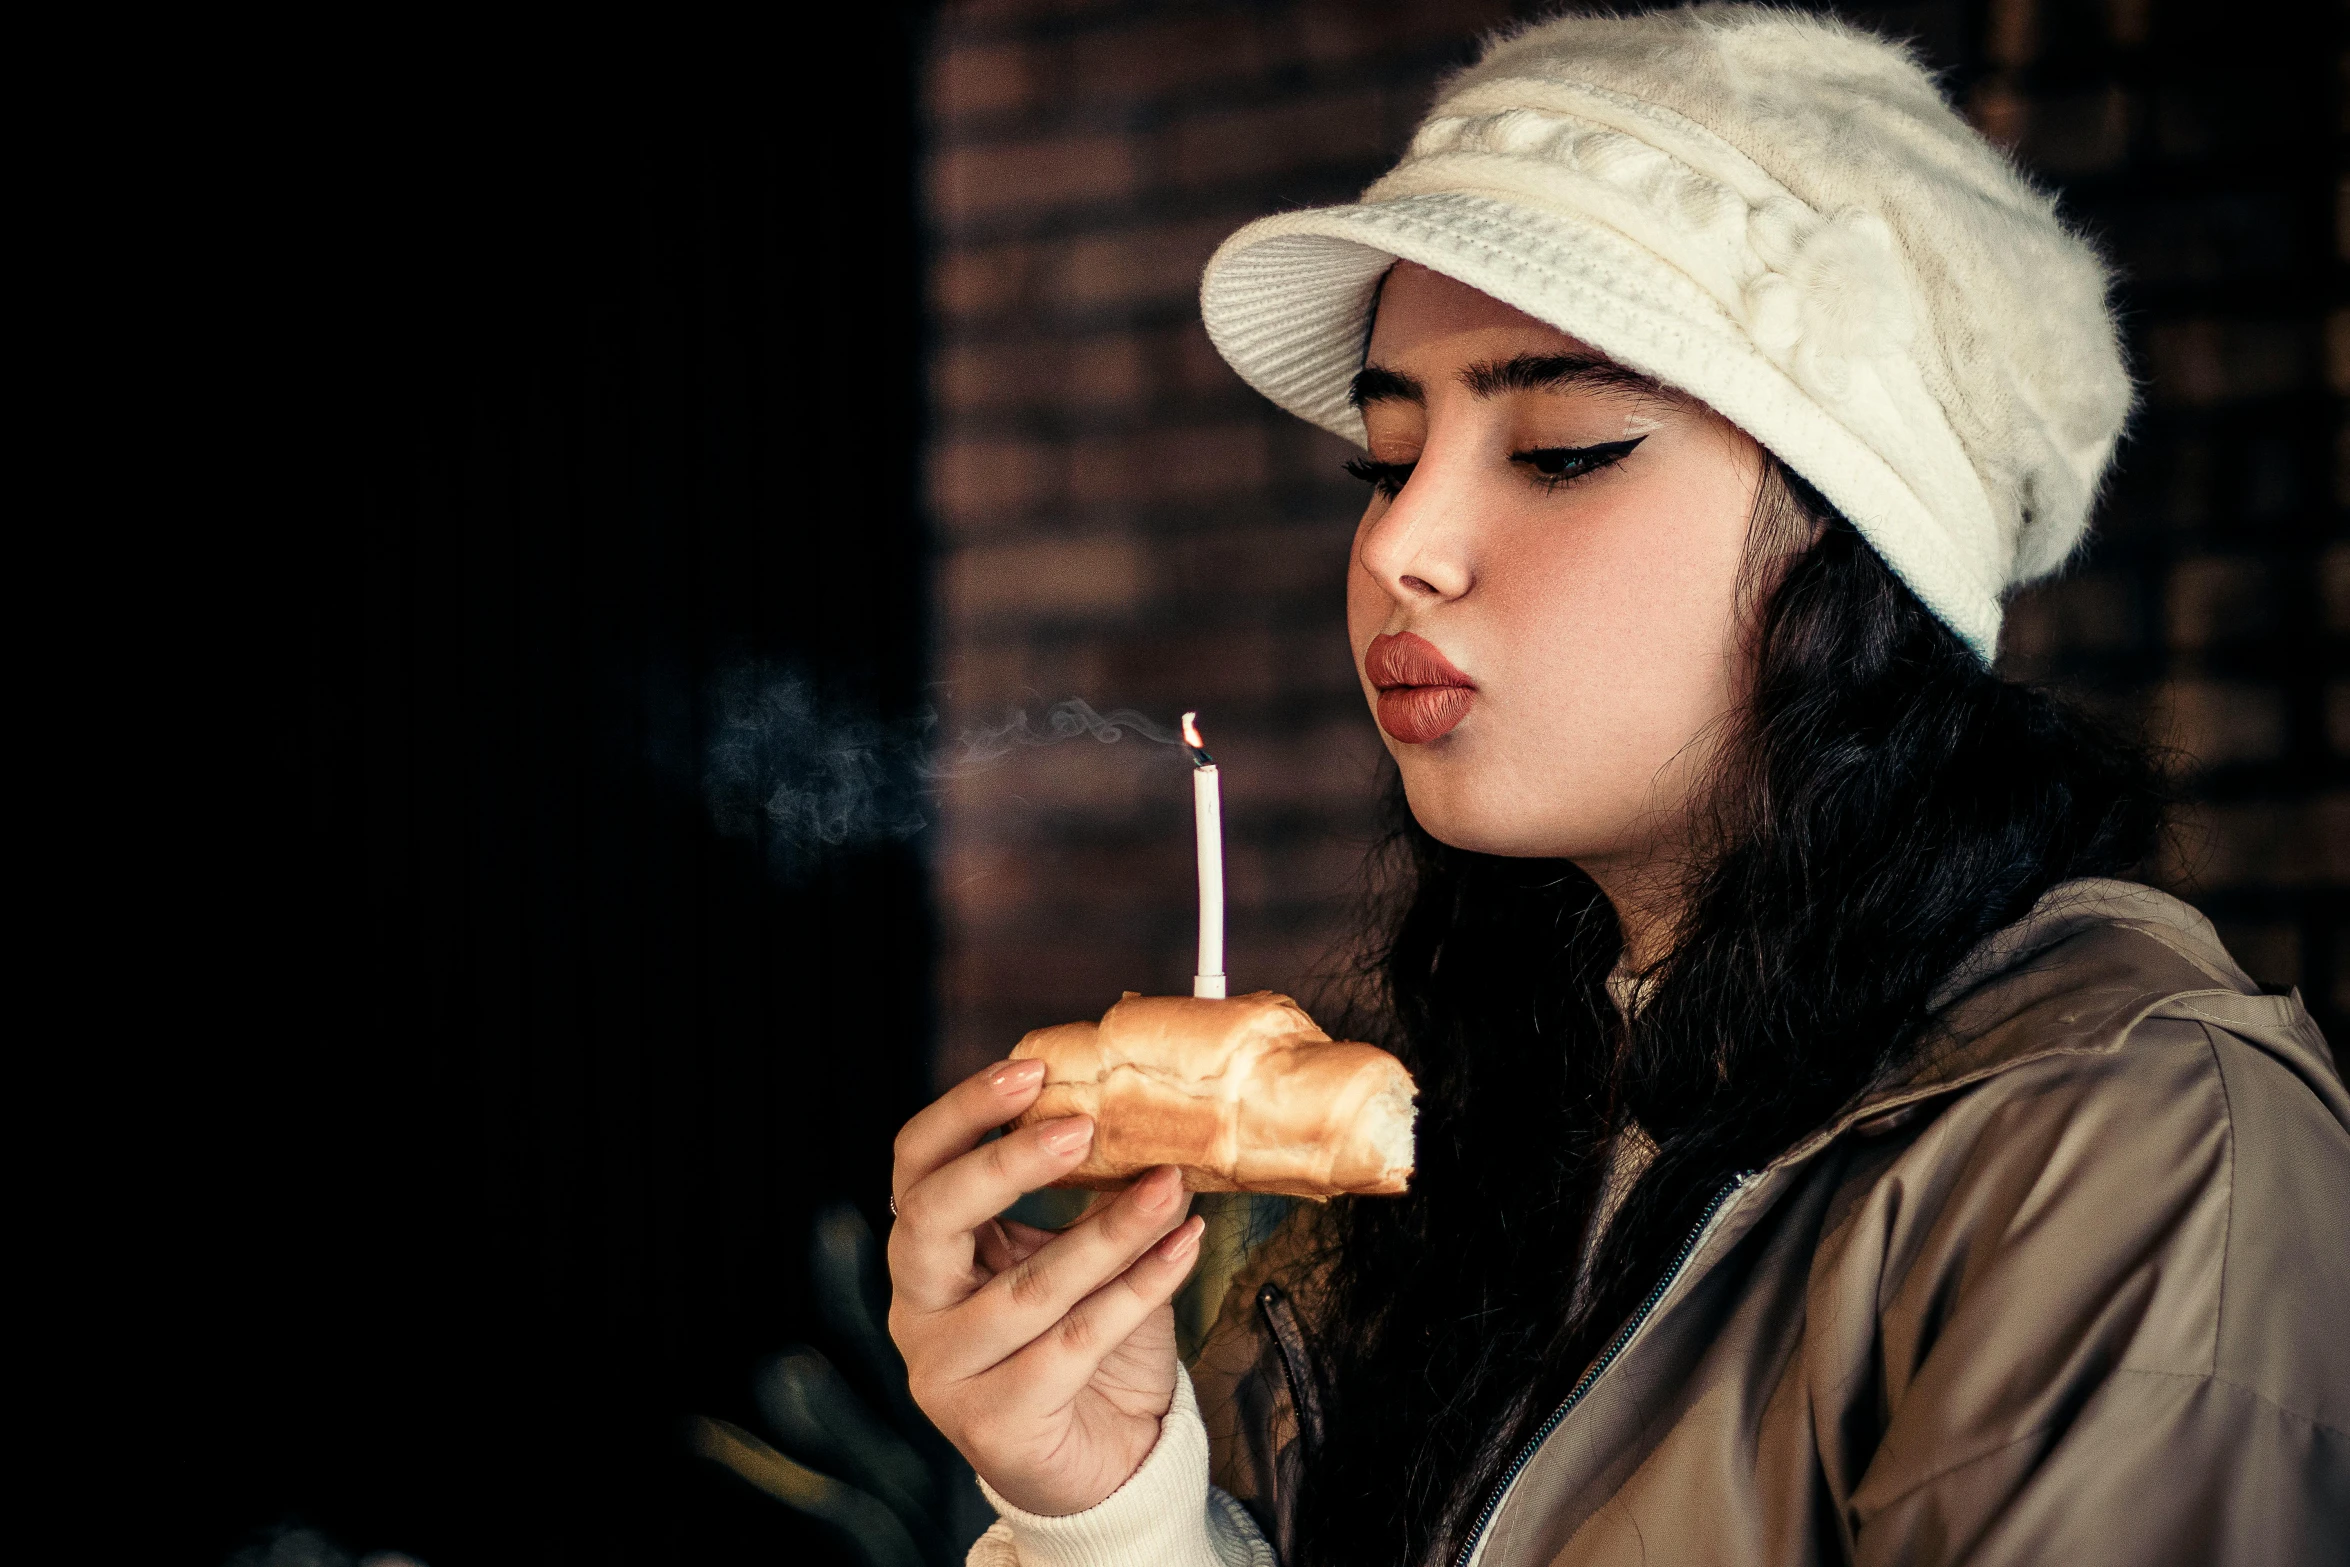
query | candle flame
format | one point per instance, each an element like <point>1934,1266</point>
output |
<point>1194,744</point>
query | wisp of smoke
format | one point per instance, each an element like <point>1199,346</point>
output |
<point>806,778</point>
<point>976,748</point>
<point>803,777</point>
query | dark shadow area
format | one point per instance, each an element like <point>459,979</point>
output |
<point>510,1087</point>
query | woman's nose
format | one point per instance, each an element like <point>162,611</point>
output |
<point>1416,548</point>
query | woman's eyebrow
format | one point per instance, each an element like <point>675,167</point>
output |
<point>1521,373</point>
<point>1552,373</point>
<point>1375,384</point>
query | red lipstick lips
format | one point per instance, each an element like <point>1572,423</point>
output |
<point>1421,696</point>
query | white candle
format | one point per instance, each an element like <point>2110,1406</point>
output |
<point>1207,811</point>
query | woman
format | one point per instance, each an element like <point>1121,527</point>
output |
<point>1822,1154</point>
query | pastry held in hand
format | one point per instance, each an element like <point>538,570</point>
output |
<point>1245,1094</point>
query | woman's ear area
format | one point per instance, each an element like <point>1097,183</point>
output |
<point>1788,521</point>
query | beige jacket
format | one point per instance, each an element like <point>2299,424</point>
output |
<point>2078,1292</point>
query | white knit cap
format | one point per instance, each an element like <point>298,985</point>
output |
<point>1774,212</point>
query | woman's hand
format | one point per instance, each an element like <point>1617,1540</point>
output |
<point>1048,1359</point>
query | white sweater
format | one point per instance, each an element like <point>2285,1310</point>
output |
<point>1165,1515</point>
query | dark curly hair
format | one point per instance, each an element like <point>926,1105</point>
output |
<point>1884,803</point>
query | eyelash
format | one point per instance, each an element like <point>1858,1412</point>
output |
<point>1566,465</point>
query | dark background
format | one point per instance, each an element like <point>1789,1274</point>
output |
<point>551,389</point>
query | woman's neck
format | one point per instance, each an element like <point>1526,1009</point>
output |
<point>1647,900</point>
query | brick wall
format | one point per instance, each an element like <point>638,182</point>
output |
<point>2214,603</point>
<point>1120,519</point>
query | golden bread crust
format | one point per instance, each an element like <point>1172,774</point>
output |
<point>1242,1094</point>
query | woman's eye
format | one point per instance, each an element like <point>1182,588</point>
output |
<point>1552,465</point>
<point>1555,465</point>
<point>1385,478</point>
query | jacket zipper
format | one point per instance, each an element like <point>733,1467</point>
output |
<point>1607,1358</point>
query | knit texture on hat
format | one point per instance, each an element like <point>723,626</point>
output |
<point>1775,212</point>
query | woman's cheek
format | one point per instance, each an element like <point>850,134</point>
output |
<point>1611,665</point>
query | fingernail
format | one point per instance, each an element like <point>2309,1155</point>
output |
<point>1067,1136</point>
<point>1015,1075</point>
<point>1184,1240</point>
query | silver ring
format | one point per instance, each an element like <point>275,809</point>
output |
<point>893,1205</point>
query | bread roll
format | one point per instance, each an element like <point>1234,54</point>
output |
<point>1245,1094</point>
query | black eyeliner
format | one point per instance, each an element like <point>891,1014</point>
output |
<point>1388,478</point>
<point>1602,452</point>
<point>1605,454</point>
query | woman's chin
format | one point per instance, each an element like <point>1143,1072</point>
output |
<point>1463,807</point>
<point>1460,816</point>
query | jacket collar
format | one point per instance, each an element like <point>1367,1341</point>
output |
<point>2090,960</point>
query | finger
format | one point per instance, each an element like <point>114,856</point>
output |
<point>966,1192</point>
<point>1004,1242</point>
<point>1026,1300</point>
<point>933,1244</point>
<point>1055,1368</point>
<point>1026,1238</point>
<point>997,1249</point>
<point>952,1124</point>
